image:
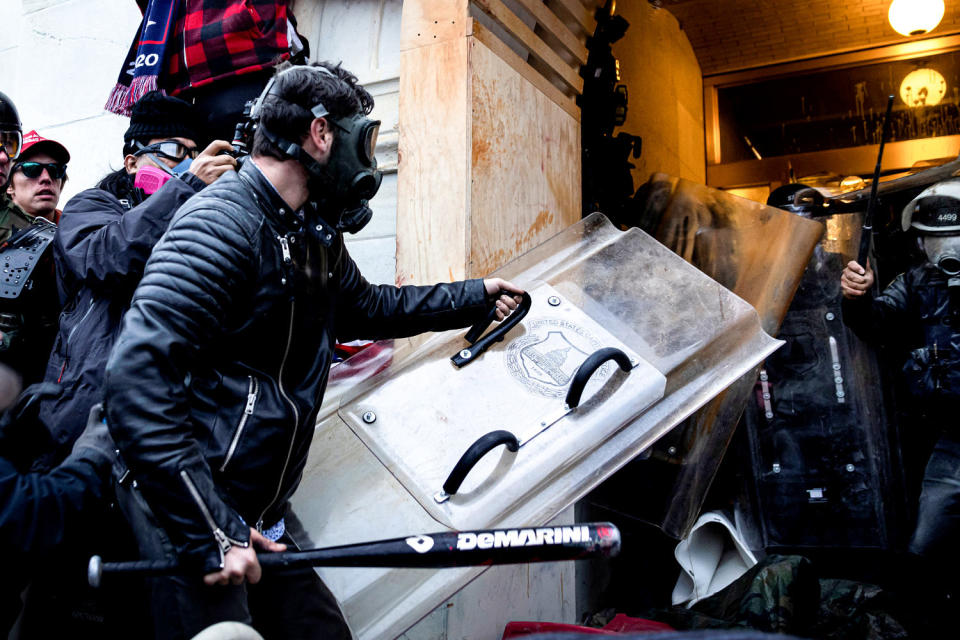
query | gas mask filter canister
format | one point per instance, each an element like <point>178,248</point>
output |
<point>944,253</point>
<point>151,178</point>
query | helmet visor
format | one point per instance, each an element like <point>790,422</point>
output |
<point>11,142</point>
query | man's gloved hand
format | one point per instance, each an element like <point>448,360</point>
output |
<point>96,445</point>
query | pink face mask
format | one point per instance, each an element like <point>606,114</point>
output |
<point>150,179</point>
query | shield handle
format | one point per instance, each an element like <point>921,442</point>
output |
<point>593,362</point>
<point>468,355</point>
<point>472,455</point>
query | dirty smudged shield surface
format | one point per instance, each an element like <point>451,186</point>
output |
<point>398,416</point>
<point>758,252</point>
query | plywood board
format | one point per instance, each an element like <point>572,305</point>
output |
<point>519,65</point>
<point>525,159</point>
<point>554,25</point>
<point>432,203</point>
<point>531,41</point>
<point>429,22</point>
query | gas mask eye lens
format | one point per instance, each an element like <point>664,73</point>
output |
<point>369,141</point>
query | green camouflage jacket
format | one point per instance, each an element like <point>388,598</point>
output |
<point>12,217</point>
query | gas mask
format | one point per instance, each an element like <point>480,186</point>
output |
<point>943,252</point>
<point>341,188</point>
<point>350,179</point>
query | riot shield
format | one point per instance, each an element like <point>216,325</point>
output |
<point>649,339</point>
<point>825,468</point>
<point>758,252</point>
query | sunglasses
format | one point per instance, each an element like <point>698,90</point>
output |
<point>169,149</point>
<point>34,169</point>
<point>10,143</point>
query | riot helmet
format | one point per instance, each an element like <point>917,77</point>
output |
<point>350,178</point>
<point>935,215</point>
<point>11,136</point>
<point>797,198</point>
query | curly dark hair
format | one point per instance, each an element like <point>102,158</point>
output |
<point>339,93</point>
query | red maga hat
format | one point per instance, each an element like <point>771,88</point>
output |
<point>33,142</point>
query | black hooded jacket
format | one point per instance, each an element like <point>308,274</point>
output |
<point>217,376</point>
<point>100,249</point>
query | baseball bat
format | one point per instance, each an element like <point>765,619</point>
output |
<point>424,551</point>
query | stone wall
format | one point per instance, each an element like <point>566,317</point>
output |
<point>59,60</point>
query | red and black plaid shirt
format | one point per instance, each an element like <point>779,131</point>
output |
<point>219,38</point>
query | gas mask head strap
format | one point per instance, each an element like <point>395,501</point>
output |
<point>318,110</point>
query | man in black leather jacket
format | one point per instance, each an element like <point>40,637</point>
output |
<point>104,238</point>
<point>921,310</point>
<point>221,365</point>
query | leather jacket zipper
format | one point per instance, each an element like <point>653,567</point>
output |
<point>224,543</point>
<point>285,248</point>
<point>253,390</point>
<point>296,416</point>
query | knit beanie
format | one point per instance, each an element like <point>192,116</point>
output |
<point>156,115</point>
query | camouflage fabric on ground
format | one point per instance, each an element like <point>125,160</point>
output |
<point>780,594</point>
<point>856,610</point>
<point>783,594</point>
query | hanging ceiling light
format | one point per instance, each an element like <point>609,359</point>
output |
<point>923,88</point>
<point>915,17</point>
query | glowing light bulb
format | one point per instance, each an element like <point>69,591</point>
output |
<point>915,17</point>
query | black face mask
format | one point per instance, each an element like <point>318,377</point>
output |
<point>352,220</point>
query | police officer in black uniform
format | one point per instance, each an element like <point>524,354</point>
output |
<point>920,309</point>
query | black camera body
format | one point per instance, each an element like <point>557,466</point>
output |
<point>243,133</point>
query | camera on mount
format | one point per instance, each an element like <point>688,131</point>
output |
<point>243,133</point>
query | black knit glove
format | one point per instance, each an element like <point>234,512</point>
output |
<point>95,444</point>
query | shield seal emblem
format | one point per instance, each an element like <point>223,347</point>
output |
<point>553,360</point>
<point>546,357</point>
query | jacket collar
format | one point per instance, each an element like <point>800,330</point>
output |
<point>267,196</point>
<point>275,207</point>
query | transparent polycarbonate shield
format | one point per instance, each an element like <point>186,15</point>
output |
<point>759,253</point>
<point>422,419</point>
<point>378,463</point>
